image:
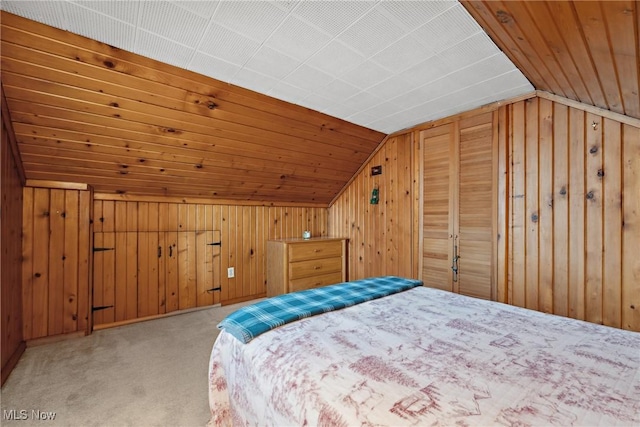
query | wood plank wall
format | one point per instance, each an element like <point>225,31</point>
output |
<point>56,261</point>
<point>12,342</point>
<point>574,184</point>
<point>244,232</point>
<point>380,236</point>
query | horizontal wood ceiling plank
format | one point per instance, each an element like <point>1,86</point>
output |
<point>63,156</point>
<point>198,145</point>
<point>27,112</point>
<point>96,145</point>
<point>590,15</point>
<point>78,48</point>
<point>158,117</point>
<point>78,82</point>
<point>100,180</point>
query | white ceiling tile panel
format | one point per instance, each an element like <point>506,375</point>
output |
<point>366,74</point>
<point>427,71</point>
<point>447,29</point>
<point>253,80</point>
<point>215,67</point>
<point>94,25</point>
<point>341,110</point>
<point>339,90</point>
<point>336,58</point>
<point>298,39</point>
<point>161,49</point>
<point>273,63</point>
<point>392,87</point>
<point>362,117</point>
<point>332,17</point>
<point>383,109</point>
<point>372,33</point>
<point>228,45</point>
<point>173,22</point>
<point>317,102</point>
<point>402,54</point>
<point>41,11</point>
<point>254,19</point>
<point>126,11</point>
<point>289,93</point>
<point>286,5</point>
<point>206,9</point>
<point>363,101</point>
<point>469,51</point>
<point>486,69</point>
<point>308,78</point>
<point>413,14</point>
<point>384,64</point>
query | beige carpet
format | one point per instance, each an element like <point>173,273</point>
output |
<point>152,373</point>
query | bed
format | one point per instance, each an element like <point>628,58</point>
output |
<point>421,356</point>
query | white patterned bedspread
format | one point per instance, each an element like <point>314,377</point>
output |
<point>428,357</point>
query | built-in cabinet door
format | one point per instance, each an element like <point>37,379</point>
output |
<point>459,207</point>
<point>144,274</point>
<point>438,146</point>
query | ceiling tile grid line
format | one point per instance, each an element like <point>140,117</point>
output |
<point>301,52</point>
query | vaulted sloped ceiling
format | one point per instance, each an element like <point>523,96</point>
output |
<point>88,112</point>
<point>588,51</point>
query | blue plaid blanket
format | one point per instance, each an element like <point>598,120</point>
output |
<point>250,321</point>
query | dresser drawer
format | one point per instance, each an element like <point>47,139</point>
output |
<point>315,281</point>
<point>314,250</point>
<point>314,267</point>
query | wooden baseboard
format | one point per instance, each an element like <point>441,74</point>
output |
<point>244,299</point>
<point>55,338</point>
<point>156,316</point>
<point>12,362</point>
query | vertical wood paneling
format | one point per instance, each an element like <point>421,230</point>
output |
<point>532,213</point>
<point>503,206</point>
<point>612,232</point>
<point>545,207</point>
<point>560,208</point>
<point>71,258</point>
<point>40,256</point>
<point>380,236</point>
<point>518,285</point>
<point>56,263</point>
<point>585,167</point>
<point>593,219</point>
<point>56,269</point>
<point>244,231</point>
<point>577,192</point>
<point>11,196</point>
<point>631,228</point>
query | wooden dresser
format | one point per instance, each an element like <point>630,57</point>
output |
<point>298,264</point>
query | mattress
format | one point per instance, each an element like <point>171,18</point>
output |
<point>428,357</point>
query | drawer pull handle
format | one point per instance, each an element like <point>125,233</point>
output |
<point>317,250</point>
<point>317,267</point>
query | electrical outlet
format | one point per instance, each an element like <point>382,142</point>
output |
<point>231,273</point>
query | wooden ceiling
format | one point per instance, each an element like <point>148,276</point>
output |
<point>89,113</point>
<point>588,51</point>
<point>85,112</point>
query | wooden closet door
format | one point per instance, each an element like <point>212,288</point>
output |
<point>475,217</point>
<point>459,181</point>
<point>439,150</point>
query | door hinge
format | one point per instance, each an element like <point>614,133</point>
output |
<point>214,289</point>
<point>214,244</point>
<point>102,249</point>
<point>101,307</point>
